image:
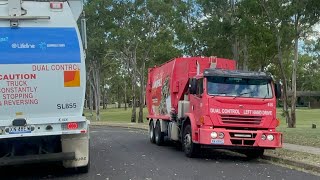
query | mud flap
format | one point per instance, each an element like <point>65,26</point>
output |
<point>79,144</point>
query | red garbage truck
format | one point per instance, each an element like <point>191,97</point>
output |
<point>205,102</point>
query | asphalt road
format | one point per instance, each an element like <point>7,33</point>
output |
<point>127,154</point>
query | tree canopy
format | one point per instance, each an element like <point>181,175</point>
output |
<point>126,37</point>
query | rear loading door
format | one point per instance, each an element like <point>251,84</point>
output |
<point>42,68</point>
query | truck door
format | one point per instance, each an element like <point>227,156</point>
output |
<point>196,101</point>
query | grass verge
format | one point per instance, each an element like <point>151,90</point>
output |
<point>115,115</point>
<point>295,156</point>
<point>303,134</point>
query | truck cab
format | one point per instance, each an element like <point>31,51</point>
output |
<point>235,109</point>
<point>42,84</point>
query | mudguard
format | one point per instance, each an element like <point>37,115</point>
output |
<point>194,128</point>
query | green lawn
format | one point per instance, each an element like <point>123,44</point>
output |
<point>303,134</point>
<point>116,115</point>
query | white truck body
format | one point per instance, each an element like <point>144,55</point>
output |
<point>42,77</point>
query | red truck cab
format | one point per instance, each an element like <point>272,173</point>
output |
<point>206,103</point>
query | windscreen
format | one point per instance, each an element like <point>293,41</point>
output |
<point>239,87</point>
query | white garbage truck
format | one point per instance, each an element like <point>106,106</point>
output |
<point>42,84</point>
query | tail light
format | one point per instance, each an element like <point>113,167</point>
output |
<point>72,126</point>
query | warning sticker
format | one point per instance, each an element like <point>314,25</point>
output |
<point>71,78</point>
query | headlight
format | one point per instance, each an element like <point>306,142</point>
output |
<point>214,135</point>
<point>221,135</point>
<point>263,137</point>
<point>270,137</point>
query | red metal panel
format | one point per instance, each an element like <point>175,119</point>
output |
<point>168,83</point>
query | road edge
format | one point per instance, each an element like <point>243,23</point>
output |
<point>294,163</point>
<point>271,158</point>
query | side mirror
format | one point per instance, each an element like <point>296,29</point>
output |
<point>277,89</point>
<point>193,86</point>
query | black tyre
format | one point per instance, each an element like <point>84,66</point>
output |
<point>151,132</point>
<point>190,149</point>
<point>159,137</point>
<point>253,153</point>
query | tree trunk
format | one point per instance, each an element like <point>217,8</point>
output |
<point>142,87</point>
<point>292,122</point>
<point>91,100</point>
<point>96,88</point>
<point>235,49</point>
<point>133,114</point>
<point>235,43</point>
<point>125,96</point>
<point>119,98</point>
<point>284,79</point>
<point>94,107</point>
<point>245,53</point>
<point>86,101</point>
<point>97,93</point>
<point>104,99</point>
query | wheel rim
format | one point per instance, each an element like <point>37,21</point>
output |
<point>187,142</point>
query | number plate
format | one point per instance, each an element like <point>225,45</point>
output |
<point>217,141</point>
<point>19,129</point>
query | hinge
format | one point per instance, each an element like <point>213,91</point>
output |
<point>14,11</point>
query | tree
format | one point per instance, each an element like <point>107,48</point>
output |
<point>97,20</point>
<point>218,28</point>
<point>137,28</point>
<point>305,14</point>
<point>262,35</point>
<point>276,14</point>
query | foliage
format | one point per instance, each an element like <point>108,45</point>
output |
<point>126,37</point>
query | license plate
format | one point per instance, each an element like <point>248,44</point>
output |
<point>19,129</point>
<point>217,141</point>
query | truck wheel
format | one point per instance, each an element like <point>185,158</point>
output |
<point>151,132</point>
<point>190,149</point>
<point>253,153</point>
<point>159,138</point>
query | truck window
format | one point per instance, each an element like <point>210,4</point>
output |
<point>199,86</point>
<point>242,87</point>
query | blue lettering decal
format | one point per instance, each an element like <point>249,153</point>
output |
<point>39,46</point>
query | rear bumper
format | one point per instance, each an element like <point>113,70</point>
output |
<point>42,130</point>
<point>230,141</point>
<point>31,159</point>
<point>37,134</point>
